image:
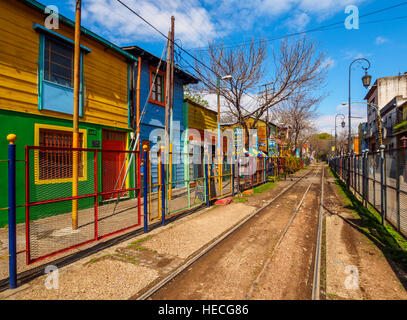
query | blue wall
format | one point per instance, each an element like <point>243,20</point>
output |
<point>154,118</point>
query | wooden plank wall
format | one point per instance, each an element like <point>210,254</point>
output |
<point>105,71</point>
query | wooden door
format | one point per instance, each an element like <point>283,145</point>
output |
<point>113,163</point>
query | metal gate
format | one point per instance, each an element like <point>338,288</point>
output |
<point>101,207</point>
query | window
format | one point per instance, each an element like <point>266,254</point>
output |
<point>55,72</point>
<point>57,164</point>
<point>157,87</point>
<point>58,62</point>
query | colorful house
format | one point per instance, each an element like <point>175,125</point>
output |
<point>152,114</point>
<point>265,136</point>
<point>36,100</point>
<point>201,126</point>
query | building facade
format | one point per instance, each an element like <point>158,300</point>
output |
<point>150,110</point>
<point>36,99</point>
<point>388,93</point>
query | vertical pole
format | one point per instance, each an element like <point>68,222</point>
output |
<point>354,172</point>
<point>167,103</point>
<point>75,144</point>
<point>218,120</point>
<point>366,180</point>
<point>350,125</point>
<point>383,186</point>
<point>238,175</point>
<point>145,188</point>
<point>95,164</point>
<point>162,188</point>
<point>27,207</point>
<point>398,163</point>
<point>207,179</point>
<point>171,104</point>
<point>170,174</point>
<point>12,211</point>
<point>233,178</point>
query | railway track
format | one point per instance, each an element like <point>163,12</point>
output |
<point>154,291</point>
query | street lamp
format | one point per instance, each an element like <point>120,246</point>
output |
<point>218,79</point>
<point>342,125</point>
<point>366,79</point>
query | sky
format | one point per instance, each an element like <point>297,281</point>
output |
<point>380,36</point>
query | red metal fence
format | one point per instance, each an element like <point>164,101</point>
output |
<point>107,200</point>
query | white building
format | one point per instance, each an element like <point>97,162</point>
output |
<point>388,93</point>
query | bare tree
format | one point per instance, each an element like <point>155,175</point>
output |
<point>297,113</point>
<point>297,66</point>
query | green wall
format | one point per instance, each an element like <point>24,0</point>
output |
<point>23,126</point>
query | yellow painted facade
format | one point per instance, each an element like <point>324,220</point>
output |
<point>261,131</point>
<point>105,72</point>
<point>201,118</point>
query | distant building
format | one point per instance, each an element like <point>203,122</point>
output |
<point>388,93</point>
<point>400,129</point>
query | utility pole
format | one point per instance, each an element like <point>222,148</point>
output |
<point>267,115</point>
<point>167,99</point>
<point>75,142</point>
<point>171,105</point>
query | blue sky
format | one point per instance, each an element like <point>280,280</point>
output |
<point>233,21</point>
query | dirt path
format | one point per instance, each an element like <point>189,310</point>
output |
<point>290,273</point>
<point>355,267</point>
<point>228,270</point>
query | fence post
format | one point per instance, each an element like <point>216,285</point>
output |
<point>383,187</point>
<point>238,175</point>
<point>207,178</point>
<point>398,163</point>
<point>233,177</point>
<point>163,206</point>
<point>12,138</point>
<point>145,188</point>
<point>354,172</point>
<point>366,177</point>
<point>264,169</point>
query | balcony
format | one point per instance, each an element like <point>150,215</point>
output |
<point>400,127</point>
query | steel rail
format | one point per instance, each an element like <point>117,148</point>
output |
<point>317,266</point>
<point>268,261</point>
<point>184,266</point>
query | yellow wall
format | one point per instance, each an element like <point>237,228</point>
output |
<point>105,71</point>
<point>201,118</point>
<point>261,131</point>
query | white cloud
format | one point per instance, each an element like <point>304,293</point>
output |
<point>326,122</point>
<point>380,40</point>
<point>328,62</point>
<point>298,22</point>
<point>197,22</point>
<point>193,23</point>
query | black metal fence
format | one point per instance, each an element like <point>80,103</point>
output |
<point>380,178</point>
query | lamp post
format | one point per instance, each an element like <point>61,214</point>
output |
<point>218,79</point>
<point>366,79</point>
<point>342,125</point>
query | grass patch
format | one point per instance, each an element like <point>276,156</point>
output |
<point>392,244</point>
<point>99,258</point>
<point>140,240</point>
<point>264,187</point>
<point>241,199</point>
